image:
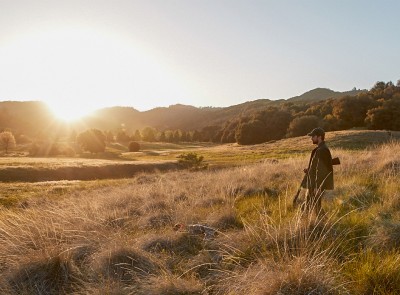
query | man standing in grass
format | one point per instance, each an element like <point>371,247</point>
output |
<point>319,173</point>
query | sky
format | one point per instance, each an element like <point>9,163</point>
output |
<point>82,55</point>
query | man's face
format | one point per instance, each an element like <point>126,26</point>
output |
<point>314,139</point>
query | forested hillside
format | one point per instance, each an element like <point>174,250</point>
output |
<point>247,123</point>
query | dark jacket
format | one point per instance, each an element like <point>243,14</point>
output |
<point>320,170</point>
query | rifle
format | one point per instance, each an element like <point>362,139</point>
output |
<point>296,196</point>
<point>335,161</point>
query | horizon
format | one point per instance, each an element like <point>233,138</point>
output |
<point>180,104</point>
<point>77,57</point>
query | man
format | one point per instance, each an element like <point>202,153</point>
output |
<point>319,173</point>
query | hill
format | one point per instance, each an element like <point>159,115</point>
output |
<point>186,117</point>
<point>318,94</point>
<point>17,116</point>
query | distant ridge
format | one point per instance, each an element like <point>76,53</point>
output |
<point>187,117</point>
<point>16,115</point>
<point>318,94</point>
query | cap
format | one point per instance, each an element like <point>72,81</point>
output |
<point>317,131</point>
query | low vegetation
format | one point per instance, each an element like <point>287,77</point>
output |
<point>116,236</point>
<point>191,160</point>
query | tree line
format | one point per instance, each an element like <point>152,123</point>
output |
<point>376,109</point>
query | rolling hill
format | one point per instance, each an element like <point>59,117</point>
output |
<point>18,116</point>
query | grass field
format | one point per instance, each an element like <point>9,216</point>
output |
<point>116,162</point>
<point>115,236</point>
<point>233,154</point>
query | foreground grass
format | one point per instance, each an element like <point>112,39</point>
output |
<point>116,237</point>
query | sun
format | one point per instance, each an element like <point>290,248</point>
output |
<point>77,69</point>
<point>68,113</point>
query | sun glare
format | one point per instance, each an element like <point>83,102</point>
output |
<point>68,113</point>
<point>76,70</point>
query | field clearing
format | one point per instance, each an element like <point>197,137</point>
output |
<point>233,154</point>
<point>116,162</point>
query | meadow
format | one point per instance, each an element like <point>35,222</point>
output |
<point>115,236</point>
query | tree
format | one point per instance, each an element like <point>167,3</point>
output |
<point>228,132</point>
<point>148,134</point>
<point>269,124</point>
<point>351,111</point>
<point>184,136</point>
<point>162,137</point>
<point>177,136</point>
<point>196,136</point>
<point>169,136</point>
<point>109,136</point>
<point>92,140</point>
<point>302,125</point>
<point>7,140</point>
<point>250,132</point>
<point>189,136</point>
<point>122,136</point>
<point>386,116</point>
<point>277,122</point>
<point>210,133</point>
<point>137,136</point>
<point>320,109</point>
<point>377,89</point>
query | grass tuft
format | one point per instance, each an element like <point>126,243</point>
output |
<point>124,264</point>
<point>47,275</point>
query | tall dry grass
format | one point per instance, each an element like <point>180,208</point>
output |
<point>116,237</point>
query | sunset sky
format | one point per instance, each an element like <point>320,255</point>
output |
<point>81,55</point>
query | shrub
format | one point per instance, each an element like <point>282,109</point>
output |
<point>191,160</point>
<point>134,146</point>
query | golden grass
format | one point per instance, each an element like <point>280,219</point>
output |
<point>116,157</point>
<point>116,236</point>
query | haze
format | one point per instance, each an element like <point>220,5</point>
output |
<point>79,56</point>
